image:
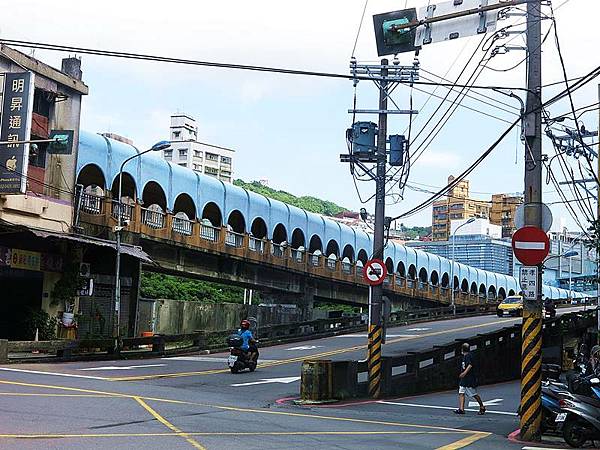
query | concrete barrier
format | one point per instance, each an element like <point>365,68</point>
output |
<point>3,351</point>
<point>498,355</point>
<point>317,381</point>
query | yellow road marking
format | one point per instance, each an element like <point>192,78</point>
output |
<point>465,441</point>
<point>302,358</point>
<point>37,394</point>
<point>244,410</point>
<point>169,425</point>
<point>208,433</point>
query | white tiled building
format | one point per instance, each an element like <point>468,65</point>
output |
<point>186,151</point>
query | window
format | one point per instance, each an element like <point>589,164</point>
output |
<point>176,134</point>
<point>183,164</point>
<point>225,160</point>
<point>168,153</point>
<point>183,152</point>
<point>198,167</point>
<point>197,154</point>
<point>211,171</point>
<point>212,157</point>
<point>226,173</point>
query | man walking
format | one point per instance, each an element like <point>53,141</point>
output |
<point>467,384</point>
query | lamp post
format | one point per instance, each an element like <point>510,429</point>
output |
<point>471,220</point>
<point>156,147</point>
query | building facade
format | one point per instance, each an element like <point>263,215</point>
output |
<point>458,205</point>
<point>504,207</point>
<point>186,151</point>
<point>478,244</point>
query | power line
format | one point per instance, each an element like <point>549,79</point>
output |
<point>362,17</point>
<point>164,59</point>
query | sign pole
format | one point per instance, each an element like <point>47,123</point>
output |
<point>531,351</point>
<point>375,328</point>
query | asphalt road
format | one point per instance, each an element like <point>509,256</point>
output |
<point>194,402</point>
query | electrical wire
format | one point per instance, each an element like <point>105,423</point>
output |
<point>362,17</point>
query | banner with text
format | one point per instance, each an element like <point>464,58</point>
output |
<point>15,127</point>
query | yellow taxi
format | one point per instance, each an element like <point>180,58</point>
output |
<point>511,306</point>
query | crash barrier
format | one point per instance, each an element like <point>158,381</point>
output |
<point>497,353</point>
<point>317,382</point>
<point>159,345</point>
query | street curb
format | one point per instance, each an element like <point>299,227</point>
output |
<point>514,437</point>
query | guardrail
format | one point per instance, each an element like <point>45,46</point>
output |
<point>498,354</point>
<point>159,345</point>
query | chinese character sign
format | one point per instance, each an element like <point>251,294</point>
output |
<point>528,279</point>
<point>15,127</point>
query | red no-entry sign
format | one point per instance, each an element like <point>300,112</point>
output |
<point>530,245</point>
<point>374,272</point>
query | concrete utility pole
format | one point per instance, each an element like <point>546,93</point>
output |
<point>375,299</point>
<point>531,352</point>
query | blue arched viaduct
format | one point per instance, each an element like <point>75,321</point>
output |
<point>183,204</point>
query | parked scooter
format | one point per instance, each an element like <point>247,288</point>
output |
<point>239,359</point>
<point>579,419</point>
<point>552,389</point>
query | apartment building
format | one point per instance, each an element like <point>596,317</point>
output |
<point>201,157</point>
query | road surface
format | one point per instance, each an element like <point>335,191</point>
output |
<point>194,402</point>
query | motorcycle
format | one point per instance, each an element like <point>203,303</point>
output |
<point>549,311</point>
<point>579,418</point>
<point>239,359</point>
<point>552,389</point>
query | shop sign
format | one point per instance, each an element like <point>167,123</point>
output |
<point>15,127</point>
<point>28,260</point>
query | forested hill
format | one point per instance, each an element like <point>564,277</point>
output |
<point>308,203</point>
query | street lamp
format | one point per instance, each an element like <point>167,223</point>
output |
<point>567,254</point>
<point>471,220</point>
<point>155,148</point>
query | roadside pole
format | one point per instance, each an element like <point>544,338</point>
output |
<point>375,304</point>
<point>598,218</point>
<point>531,351</point>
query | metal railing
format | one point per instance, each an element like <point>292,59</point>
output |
<point>153,219</point>
<point>210,233</point>
<point>277,250</point>
<point>126,210</point>
<point>256,245</point>
<point>346,267</point>
<point>298,255</point>
<point>234,239</point>
<point>331,263</point>
<point>315,260</point>
<point>91,204</point>
<point>182,226</point>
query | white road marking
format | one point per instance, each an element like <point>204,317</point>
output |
<point>68,375</point>
<point>450,408</point>
<point>541,448</point>
<point>305,347</point>
<point>493,402</point>
<point>418,329</point>
<point>285,380</point>
<point>217,359</point>
<point>123,367</point>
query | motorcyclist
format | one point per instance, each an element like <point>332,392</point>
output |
<point>549,306</point>
<point>249,344</point>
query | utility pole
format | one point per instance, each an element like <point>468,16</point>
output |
<point>531,352</point>
<point>598,219</point>
<point>375,299</point>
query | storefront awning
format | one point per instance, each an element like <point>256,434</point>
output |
<point>126,249</point>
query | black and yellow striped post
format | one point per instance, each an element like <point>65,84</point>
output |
<point>374,359</point>
<point>531,374</point>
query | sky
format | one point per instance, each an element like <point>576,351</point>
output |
<point>290,130</point>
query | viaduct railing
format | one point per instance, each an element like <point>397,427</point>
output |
<point>103,211</point>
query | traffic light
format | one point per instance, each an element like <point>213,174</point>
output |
<point>389,39</point>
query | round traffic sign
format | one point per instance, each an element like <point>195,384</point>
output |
<point>374,272</point>
<point>530,245</point>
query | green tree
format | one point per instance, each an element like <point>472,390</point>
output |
<point>156,285</point>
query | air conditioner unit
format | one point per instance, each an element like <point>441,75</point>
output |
<point>85,270</point>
